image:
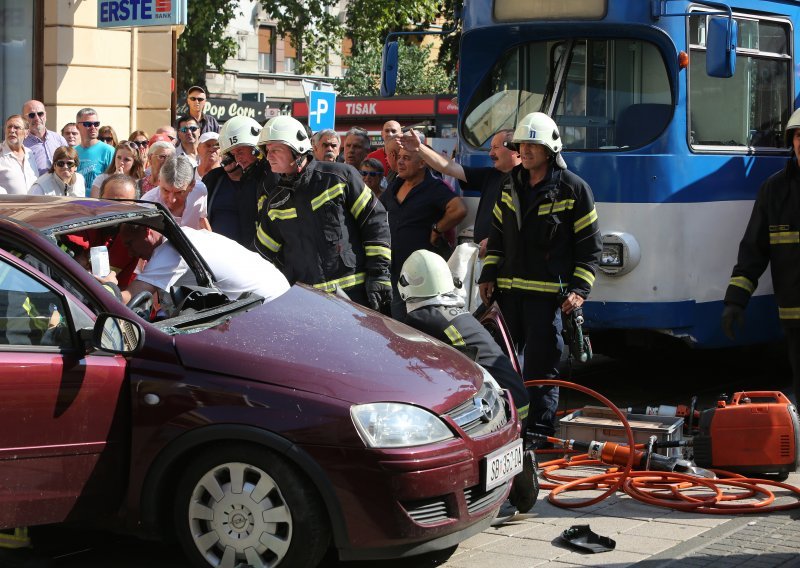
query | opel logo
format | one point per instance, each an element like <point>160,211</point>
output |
<point>487,412</point>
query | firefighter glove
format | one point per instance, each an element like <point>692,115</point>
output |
<point>379,292</point>
<point>732,319</point>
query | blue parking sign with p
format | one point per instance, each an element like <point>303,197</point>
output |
<point>321,110</point>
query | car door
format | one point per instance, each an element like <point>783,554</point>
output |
<point>64,417</point>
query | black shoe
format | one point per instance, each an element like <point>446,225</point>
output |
<point>525,487</point>
<point>506,513</point>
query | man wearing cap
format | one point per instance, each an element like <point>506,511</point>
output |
<point>207,153</point>
<point>196,102</point>
<point>542,255</point>
<point>321,225</point>
<point>40,141</point>
<point>772,238</point>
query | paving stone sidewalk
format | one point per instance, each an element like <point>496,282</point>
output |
<point>646,537</point>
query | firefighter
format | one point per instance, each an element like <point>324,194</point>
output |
<point>321,225</point>
<point>771,237</point>
<point>544,241</point>
<point>429,290</point>
<point>234,190</point>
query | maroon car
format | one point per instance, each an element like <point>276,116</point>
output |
<point>258,433</point>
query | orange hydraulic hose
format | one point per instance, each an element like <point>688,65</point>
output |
<point>663,489</point>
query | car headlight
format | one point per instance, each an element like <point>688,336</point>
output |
<point>397,425</point>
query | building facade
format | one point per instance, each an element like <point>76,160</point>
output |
<point>52,51</point>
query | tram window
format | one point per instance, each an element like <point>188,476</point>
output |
<point>751,108</point>
<point>615,93</point>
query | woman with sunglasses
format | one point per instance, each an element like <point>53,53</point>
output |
<point>63,178</point>
<point>106,134</point>
<point>142,141</point>
<point>372,173</point>
<point>126,161</point>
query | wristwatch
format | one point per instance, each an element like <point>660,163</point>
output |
<point>435,228</point>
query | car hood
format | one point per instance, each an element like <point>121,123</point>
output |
<point>313,341</point>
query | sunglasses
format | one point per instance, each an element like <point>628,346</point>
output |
<point>185,129</point>
<point>65,164</point>
<point>141,143</point>
<point>106,139</point>
<point>197,99</point>
<point>32,115</point>
<point>96,124</point>
<point>365,173</point>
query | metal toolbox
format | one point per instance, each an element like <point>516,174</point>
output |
<point>601,424</point>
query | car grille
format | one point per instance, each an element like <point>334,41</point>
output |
<point>477,499</point>
<point>428,511</point>
<point>432,511</point>
<point>482,414</point>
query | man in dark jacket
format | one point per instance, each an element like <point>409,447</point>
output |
<point>427,286</point>
<point>542,256</point>
<point>235,187</point>
<point>321,225</point>
<point>772,238</point>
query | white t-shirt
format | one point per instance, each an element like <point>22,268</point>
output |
<point>237,269</point>
<point>196,205</point>
<point>16,178</point>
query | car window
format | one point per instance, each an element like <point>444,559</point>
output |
<point>31,314</point>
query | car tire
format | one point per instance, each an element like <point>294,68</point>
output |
<point>244,505</point>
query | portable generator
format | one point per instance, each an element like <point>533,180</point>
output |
<point>750,433</point>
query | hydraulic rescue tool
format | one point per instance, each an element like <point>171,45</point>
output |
<point>580,347</point>
<point>612,453</point>
<point>752,432</point>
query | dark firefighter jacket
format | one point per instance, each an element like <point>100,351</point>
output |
<point>546,240</point>
<point>459,328</point>
<point>256,181</point>
<point>772,237</point>
<point>325,228</point>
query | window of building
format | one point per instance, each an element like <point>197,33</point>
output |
<point>16,54</point>
<point>266,49</point>
<point>347,51</point>
<point>751,108</point>
<point>289,55</point>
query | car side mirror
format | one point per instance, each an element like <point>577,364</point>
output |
<point>721,47</point>
<point>389,69</point>
<point>117,334</point>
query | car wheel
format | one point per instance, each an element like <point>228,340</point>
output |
<point>246,506</point>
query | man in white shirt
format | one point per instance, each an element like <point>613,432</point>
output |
<point>236,269</point>
<point>17,167</point>
<point>179,191</point>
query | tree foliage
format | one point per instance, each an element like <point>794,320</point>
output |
<point>417,73</point>
<point>313,31</point>
<point>204,39</point>
<point>369,22</point>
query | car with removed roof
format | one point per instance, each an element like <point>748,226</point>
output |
<point>258,433</point>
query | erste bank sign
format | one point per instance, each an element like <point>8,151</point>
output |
<point>140,13</point>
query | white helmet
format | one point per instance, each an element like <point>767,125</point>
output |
<point>425,274</point>
<point>794,122</point>
<point>239,131</point>
<point>538,128</point>
<point>287,130</point>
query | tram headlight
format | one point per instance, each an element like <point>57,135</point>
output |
<point>620,253</point>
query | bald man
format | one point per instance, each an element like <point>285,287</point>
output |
<point>391,130</point>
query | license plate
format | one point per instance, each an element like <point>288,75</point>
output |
<point>503,464</point>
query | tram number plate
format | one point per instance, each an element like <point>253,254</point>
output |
<point>503,464</point>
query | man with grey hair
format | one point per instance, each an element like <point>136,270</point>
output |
<point>356,146</point>
<point>94,156</point>
<point>326,145</point>
<point>179,191</point>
